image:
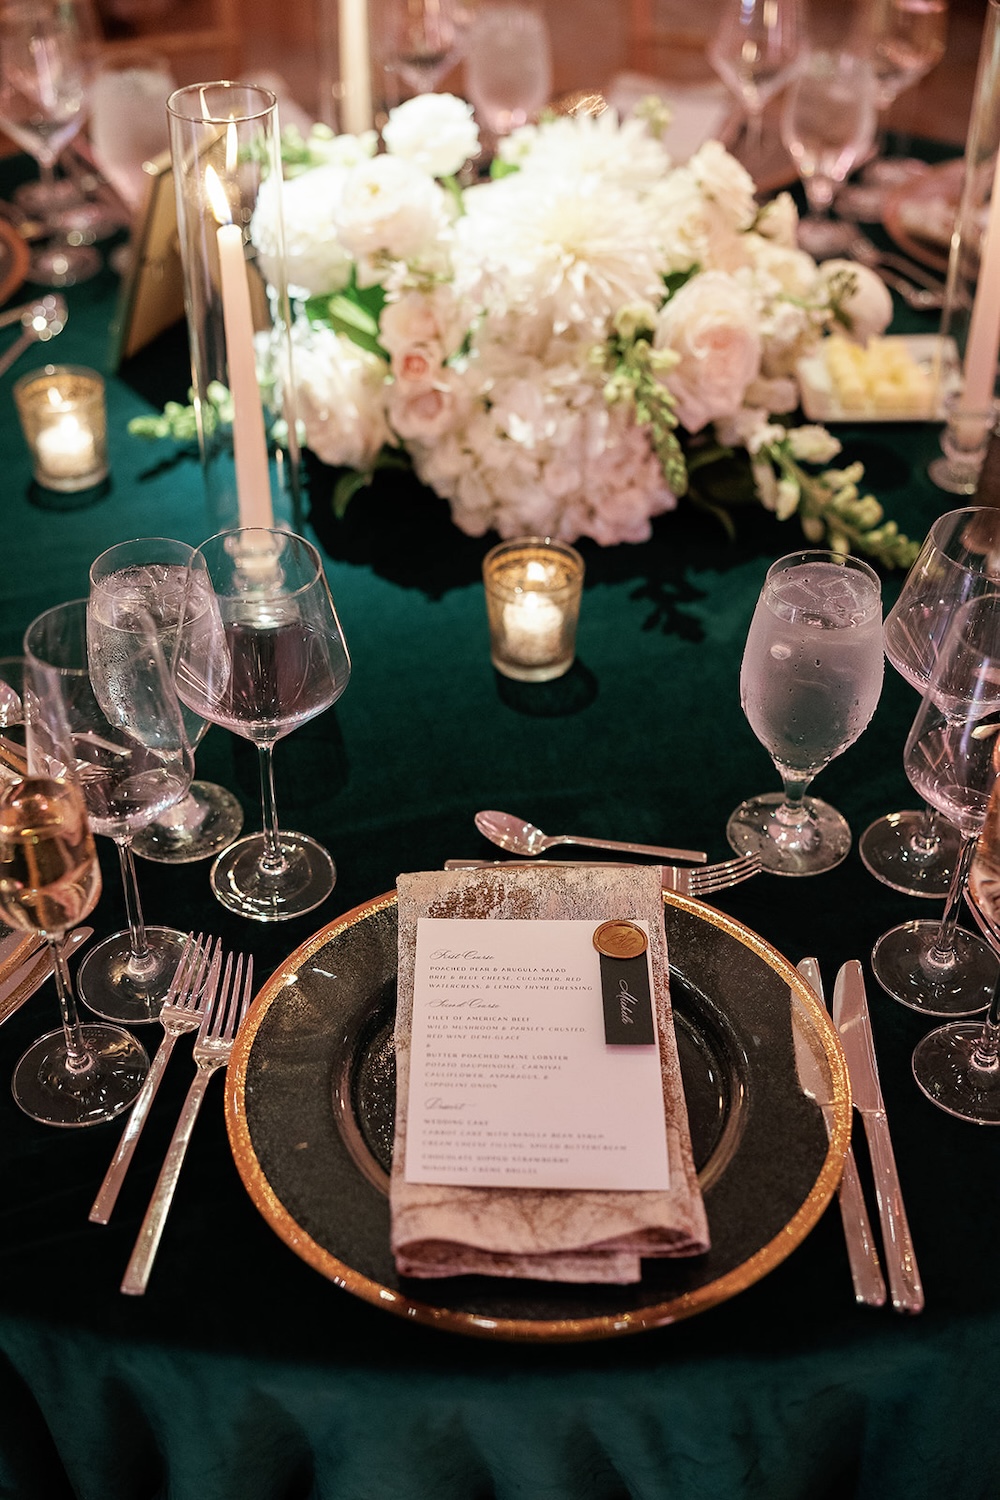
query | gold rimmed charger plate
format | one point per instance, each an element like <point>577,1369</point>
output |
<point>310,1095</point>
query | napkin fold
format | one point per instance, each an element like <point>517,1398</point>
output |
<point>547,1234</point>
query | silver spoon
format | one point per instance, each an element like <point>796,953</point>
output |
<point>42,321</point>
<point>524,838</point>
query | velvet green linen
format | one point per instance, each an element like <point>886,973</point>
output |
<point>242,1374</point>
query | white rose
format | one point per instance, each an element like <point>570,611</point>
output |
<point>315,260</point>
<point>778,221</point>
<point>417,366</point>
<point>867,302</point>
<point>389,209</point>
<point>721,178</point>
<point>423,318</point>
<point>435,132</point>
<point>711,324</point>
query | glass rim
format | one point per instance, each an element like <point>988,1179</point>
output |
<point>206,116</point>
<point>199,553</point>
<point>828,554</point>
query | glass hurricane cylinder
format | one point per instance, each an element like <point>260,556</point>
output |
<point>971,312</point>
<point>225,150</point>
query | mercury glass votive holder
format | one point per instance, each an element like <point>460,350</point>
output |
<point>64,420</point>
<point>533,589</point>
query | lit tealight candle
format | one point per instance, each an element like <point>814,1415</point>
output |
<point>66,449</point>
<point>62,413</point>
<point>533,601</point>
<point>533,627</point>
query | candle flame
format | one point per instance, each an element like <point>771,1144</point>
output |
<point>217,196</point>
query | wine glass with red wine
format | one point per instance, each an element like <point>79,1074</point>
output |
<point>260,651</point>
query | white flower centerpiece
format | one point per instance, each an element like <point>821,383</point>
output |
<point>569,348</point>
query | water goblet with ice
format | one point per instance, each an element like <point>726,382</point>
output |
<point>809,684</point>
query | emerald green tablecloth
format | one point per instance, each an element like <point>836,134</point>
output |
<point>244,1375</point>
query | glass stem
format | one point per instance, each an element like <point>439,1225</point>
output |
<point>141,962</point>
<point>272,861</point>
<point>78,1059</point>
<point>986,1052</point>
<point>941,954</point>
<point>925,839</point>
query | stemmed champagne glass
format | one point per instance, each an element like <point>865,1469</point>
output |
<point>260,651</point>
<point>906,39</point>
<point>828,125</point>
<point>915,851</point>
<point>809,684</point>
<point>951,759</point>
<point>132,760</point>
<point>755,50</point>
<point>49,881</point>
<point>149,574</point>
<point>42,107</point>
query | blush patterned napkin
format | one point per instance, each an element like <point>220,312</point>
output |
<point>547,1234</point>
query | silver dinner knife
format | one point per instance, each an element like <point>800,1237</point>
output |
<point>850,1014</point>
<point>33,973</point>
<point>866,1271</point>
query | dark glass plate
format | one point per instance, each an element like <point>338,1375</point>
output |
<point>310,1098</point>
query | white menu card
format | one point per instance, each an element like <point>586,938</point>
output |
<point>512,1083</point>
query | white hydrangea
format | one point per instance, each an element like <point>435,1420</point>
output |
<point>341,397</point>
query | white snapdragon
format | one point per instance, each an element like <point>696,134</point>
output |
<point>436,132</point>
<point>812,444</point>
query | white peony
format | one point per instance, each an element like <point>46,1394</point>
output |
<point>711,324</point>
<point>867,302</point>
<point>389,210</point>
<point>436,132</point>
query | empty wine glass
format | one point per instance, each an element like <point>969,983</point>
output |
<point>914,851</point>
<point>150,573</point>
<point>508,64</point>
<point>132,761</point>
<point>828,125</point>
<point>424,41</point>
<point>260,651</point>
<point>49,881</point>
<point>42,106</point>
<point>755,50</point>
<point>906,39</point>
<point>951,759</point>
<point>958,1065</point>
<point>809,684</point>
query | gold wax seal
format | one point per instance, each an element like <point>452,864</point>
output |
<point>620,940</point>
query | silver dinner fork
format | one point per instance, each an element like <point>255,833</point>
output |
<point>700,881</point>
<point>182,1011</point>
<point>213,1045</point>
